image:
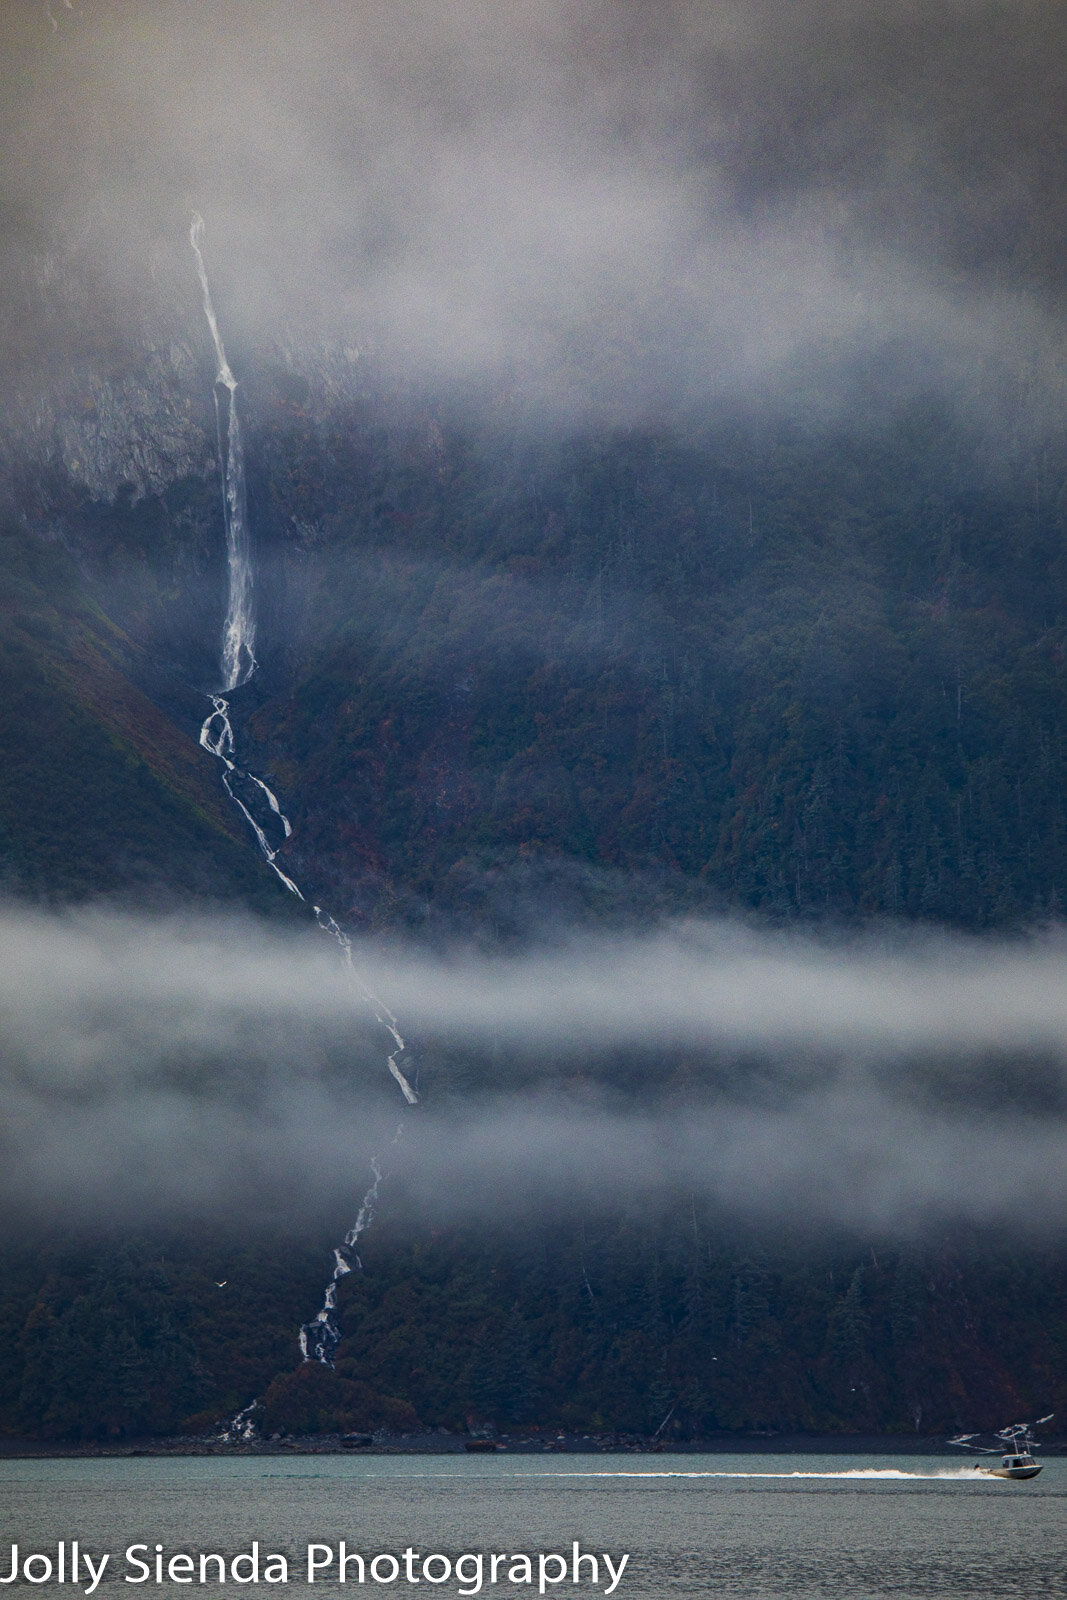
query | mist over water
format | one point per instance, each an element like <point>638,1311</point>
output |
<point>167,1067</point>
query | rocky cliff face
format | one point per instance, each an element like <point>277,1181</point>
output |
<point>110,509</point>
<point>137,429</point>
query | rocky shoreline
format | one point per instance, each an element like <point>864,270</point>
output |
<point>441,1442</point>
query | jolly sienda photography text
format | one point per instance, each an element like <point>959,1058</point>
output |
<point>68,1562</point>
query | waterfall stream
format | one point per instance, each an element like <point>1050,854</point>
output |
<point>319,1338</point>
<point>239,628</point>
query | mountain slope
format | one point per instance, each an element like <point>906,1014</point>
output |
<point>101,792</point>
<point>802,673</point>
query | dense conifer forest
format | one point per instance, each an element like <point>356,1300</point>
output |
<point>653,441</point>
<point>534,684</point>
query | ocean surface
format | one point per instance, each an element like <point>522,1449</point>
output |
<point>761,1526</point>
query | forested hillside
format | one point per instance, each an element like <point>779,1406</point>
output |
<point>518,684</point>
<point>811,672</point>
<point>599,1328</point>
<point>102,792</point>
<point>638,433</point>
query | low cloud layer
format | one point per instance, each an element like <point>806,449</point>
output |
<point>624,207</point>
<point>162,1068</point>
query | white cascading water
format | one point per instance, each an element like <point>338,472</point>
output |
<point>216,736</point>
<point>239,628</point>
<point>319,1338</point>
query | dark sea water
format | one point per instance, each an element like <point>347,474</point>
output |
<point>761,1526</point>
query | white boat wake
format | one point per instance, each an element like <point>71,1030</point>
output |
<point>867,1474</point>
<point>853,1474</point>
<point>319,1338</point>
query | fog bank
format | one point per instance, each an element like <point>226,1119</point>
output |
<point>169,1067</point>
<point>614,210</point>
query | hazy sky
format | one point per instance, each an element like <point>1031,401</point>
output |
<point>605,202</point>
<point>164,1067</point>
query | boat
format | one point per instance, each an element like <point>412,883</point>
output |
<point>1021,1466</point>
<point>1017,1441</point>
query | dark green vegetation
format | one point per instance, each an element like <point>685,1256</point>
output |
<point>801,673</point>
<point>129,1338</point>
<point>618,1322</point>
<point>511,681</point>
<point>610,1325</point>
<point>101,793</point>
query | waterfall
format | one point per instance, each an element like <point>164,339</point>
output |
<point>260,808</point>
<point>239,628</point>
<point>319,1338</point>
<point>216,736</point>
